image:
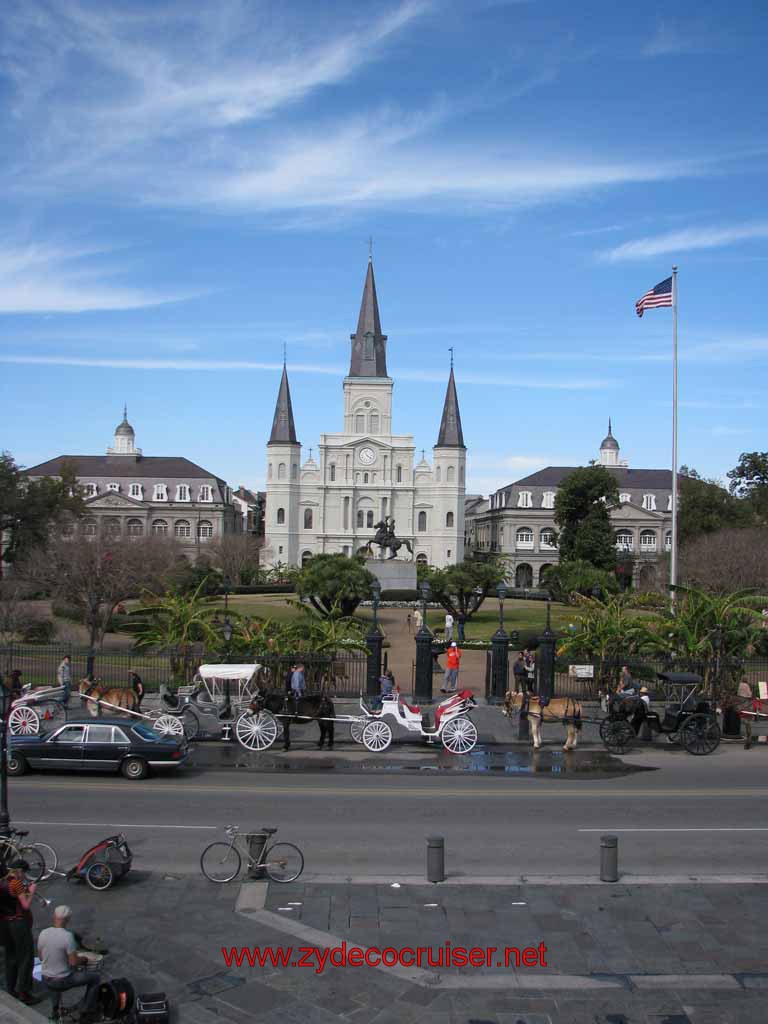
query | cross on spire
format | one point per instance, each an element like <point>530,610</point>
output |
<point>370,249</point>
<point>451,351</point>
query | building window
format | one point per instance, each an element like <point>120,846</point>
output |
<point>135,528</point>
<point>501,537</point>
<point>421,559</point>
<point>524,538</point>
<point>360,519</point>
<point>669,503</point>
<point>448,553</point>
<point>625,499</point>
<point>439,474</point>
<point>451,477</point>
<point>647,540</point>
<point>281,517</point>
<point>89,527</point>
<point>332,472</point>
<point>205,493</point>
<point>181,528</point>
<point>668,540</point>
<point>91,490</point>
<point>205,529</point>
<point>548,499</point>
<point>360,423</point>
<point>524,499</point>
<point>547,539</point>
<point>136,491</point>
<point>113,487</point>
<point>281,471</point>
<point>345,550</point>
<point>294,471</point>
<point>449,520</point>
<point>422,522</point>
<point>160,528</point>
<point>369,519</point>
<point>649,502</point>
<point>307,518</point>
<point>112,527</point>
<point>182,492</point>
<point>345,520</point>
<point>160,493</point>
<point>365,478</point>
<point>624,540</point>
<point>305,557</point>
<point>280,550</point>
<point>269,471</point>
<point>399,474</point>
<point>374,423</point>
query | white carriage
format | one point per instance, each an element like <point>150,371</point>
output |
<point>452,724</point>
<point>218,693</point>
<point>35,706</point>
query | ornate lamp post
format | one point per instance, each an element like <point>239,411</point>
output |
<point>226,632</point>
<point>424,650</point>
<point>5,709</point>
<point>374,641</point>
<point>500,653</point>
<point>545,662</point>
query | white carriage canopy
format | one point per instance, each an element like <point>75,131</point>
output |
<point>227,671</point>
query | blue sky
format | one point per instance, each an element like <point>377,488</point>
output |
<point>187,187</point>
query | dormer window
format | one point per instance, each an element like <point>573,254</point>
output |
<point>649,502</point>
<point>524,499</point>
<point>136,491</point>
<point>205,493</point>
<point>160,493</point>
<point>182,492</point>
<point>669,503</point>
<point>548,499</point>
<point>91,490</point>
<point>113,487</point>
<point>625,499</point>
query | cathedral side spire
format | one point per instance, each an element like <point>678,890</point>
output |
<point>283,428</point>
<point>451,434</point>
<point>369,345</point>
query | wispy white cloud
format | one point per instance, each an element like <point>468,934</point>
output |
<point>686,241</point>
<point>670,39</point>
<point>43,277</point>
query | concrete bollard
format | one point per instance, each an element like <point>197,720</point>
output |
<point>609,858</point>
<point>435,859</point>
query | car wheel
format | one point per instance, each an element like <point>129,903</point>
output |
<point>16,764</point>
<point>134,768</point>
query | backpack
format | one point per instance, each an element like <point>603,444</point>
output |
<point>115,998</point>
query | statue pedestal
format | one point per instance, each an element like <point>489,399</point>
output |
<point>393,573</point>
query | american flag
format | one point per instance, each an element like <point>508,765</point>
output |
<point>661,295</point>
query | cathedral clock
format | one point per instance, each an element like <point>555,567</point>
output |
<point>367,456</point>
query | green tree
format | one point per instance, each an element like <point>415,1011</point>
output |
<point>606,632</point>
<point>462,588</point>
<point>334,584</point>
<point>29,509</point>
<point>582,517</point>
<point>705,507</point>
<point>749,481</point>
<point>567,579</point>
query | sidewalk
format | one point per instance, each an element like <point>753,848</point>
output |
<point>615,953</point>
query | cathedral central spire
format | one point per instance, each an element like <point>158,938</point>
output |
<point>283,428</point>
<point>369,345</point>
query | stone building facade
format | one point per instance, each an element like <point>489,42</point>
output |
<point>129,494</point>
<point>518,522</point>
<point>366,471</point>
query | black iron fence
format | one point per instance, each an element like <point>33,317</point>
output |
<point>342,674</point>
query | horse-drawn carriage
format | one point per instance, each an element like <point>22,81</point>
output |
<point>690,719</point>
<point>452,724</point>
<point>216,696</point>
<point>37,705</point>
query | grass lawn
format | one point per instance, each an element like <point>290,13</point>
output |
<point>524,616</point>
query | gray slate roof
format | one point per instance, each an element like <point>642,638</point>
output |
<point>369,323</point>
<point>154,466</point>
<point>283,427</point>
<point>553,476</point>
<point>451,435</point>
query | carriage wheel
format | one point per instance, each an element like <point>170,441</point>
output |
<point>24,721</point>
<point>51,713</point>
<point>700,734</point>
<point>376,736</point>
<point>256,732</point>
<point>356,729</point>
<point>459,736</point>
<point>190,723</point>
<point>618,736</point>
<point>168,725</point>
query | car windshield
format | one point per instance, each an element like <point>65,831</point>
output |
<point>146,733</point>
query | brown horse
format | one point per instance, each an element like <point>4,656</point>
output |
<point>559,709</point>
<point>120,696</point>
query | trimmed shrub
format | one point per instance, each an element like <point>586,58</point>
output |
<point>400,595</point>
<point>38,631</point>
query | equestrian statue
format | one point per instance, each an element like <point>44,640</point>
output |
<point>386,539</point>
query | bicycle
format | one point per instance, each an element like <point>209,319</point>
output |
<point>42,858</point>
<point>281,862</point>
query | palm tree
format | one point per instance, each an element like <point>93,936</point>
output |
<point>177,622</point>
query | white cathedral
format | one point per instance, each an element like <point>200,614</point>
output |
<point>366,472</point>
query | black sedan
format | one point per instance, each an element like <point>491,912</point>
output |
<point>131,747</point>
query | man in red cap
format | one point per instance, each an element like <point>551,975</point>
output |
<point>452,662</point>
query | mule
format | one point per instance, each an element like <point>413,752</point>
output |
<point>559,709</point>
<point>121,697</point>
<point>308,708</point>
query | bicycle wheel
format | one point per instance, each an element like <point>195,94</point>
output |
<point>99,876</point>
<point>221,862</point>
<point>34,858</point>
<point>283,862</point>
<point>50,857</point>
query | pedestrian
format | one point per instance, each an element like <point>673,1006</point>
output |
<point>448,627</point>
<point>57,949</point>
<point>408,620</point>
<point>298,682</point>
<point>15,910</point>
<point>14,683</point>
<point>520,674</point>
<point>529,660</point>
<point>64,677</point>
<point>744,692</point>
<point>138,688</point>
<point>452,663</point>
<point>418,620</point>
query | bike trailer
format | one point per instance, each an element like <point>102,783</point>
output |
<point>152,1009</point>
<point>104,863</point>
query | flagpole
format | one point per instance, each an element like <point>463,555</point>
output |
<point>673,558</point>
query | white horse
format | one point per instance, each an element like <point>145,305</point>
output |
<point>565,710</point>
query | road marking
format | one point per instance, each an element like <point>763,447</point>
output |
<point>111,824</point>
<point>611,829</point>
